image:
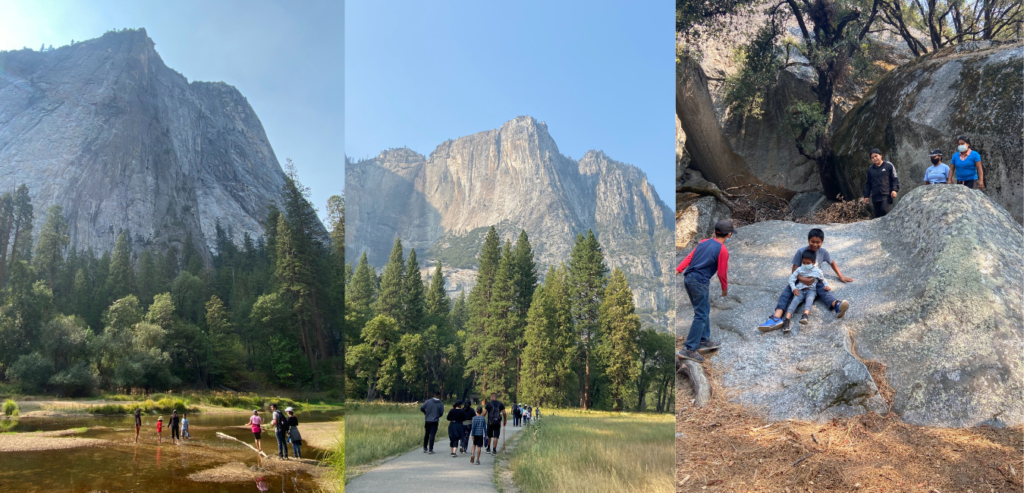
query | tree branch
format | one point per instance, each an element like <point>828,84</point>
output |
<point>800,20</point>
<point>718,194</point>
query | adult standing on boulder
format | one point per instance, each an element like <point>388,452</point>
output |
<point>938,172</point>
<point>432,411</point>
<point>709,257</point>
<point>881,185</point>
<point>966,164</point>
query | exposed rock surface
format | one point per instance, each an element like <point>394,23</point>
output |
<point>123,142</point>
<point>937,297</point>
<point>515,178</point>
<point>975,89</point>
<point>807,203</point>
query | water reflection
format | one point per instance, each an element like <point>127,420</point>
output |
<point>8,425</point>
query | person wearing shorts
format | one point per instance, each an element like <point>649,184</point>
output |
<point>478,429</point>
<point>256,424</point>
<point>495,417</point>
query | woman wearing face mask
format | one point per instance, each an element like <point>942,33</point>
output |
<point>937,172</point>
<point>966,165</point>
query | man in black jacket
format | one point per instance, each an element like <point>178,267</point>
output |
<point>881,185</point>
<point>433,409</point>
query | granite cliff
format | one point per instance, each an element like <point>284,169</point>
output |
<point>104,128</point>
<point>515,178</point>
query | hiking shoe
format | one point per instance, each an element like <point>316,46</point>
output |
<point>471,460</point>
<point>841,308</point>
<point>430,452</point>
<point>803,319</point>
<point>690,355</point>
<point>786,327</point>
<point>771,324</point>
<point>454,455</point>
<point>424,450</point>
<point>708,346</point>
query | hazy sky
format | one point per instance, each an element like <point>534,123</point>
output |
<point>601,74</point>
<point>286,58</point>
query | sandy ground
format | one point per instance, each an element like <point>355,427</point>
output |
<point>726,447</point>
<point>323,436</point>
<point>45,440</point>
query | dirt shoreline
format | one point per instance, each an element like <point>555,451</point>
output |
<point>46,440</point>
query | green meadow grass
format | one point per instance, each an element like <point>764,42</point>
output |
<point>377,431</point>
<point>572,451</point>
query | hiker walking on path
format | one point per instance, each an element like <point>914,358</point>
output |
<point>527,416</point>
<point>966,165</point>
<point>256,424</point>
<point>496,417</point>
<point>517,414</point>
<point>184,426</point>
<point>709,257</point>
<point>467,425</point>
<point>881,185</point>
<point>938,172</point>
<point>175,426</point>
<point>815,238</point>
<point>138,423</point>
<point>432,411</point>
<point>280,424</point>
<point>479,430</point>
<point>293,432</point>
<point>455,429</point>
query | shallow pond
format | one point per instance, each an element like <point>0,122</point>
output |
<point>150,465</point>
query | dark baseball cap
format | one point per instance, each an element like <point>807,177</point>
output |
<point>724,227</point>
<point>936,152</point>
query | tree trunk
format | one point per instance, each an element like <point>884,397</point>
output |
<point>709,150</point>
<point>695,373</point>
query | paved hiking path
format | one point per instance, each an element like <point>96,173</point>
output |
<point>424,473</point>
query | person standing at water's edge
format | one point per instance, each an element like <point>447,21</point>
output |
<point>432,411</point>
<point>280,424</point>
<point>175,424</point>
<point>256,424</point>
<point>293,432</point>
<point>138,423</point>
<point>881,185</point>
<point>184,426</point>
<point>709,257</point>
<point>160,429</point>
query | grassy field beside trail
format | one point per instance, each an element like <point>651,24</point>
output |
<point>574,451</point>
<point>377,431</point>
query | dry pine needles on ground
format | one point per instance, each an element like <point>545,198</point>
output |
<point>728,447</point>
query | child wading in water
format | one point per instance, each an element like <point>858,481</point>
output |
<point>479,425</point>
<point>160,429</point>
<point>803,291</point>
<point>256,424</point>
<point>184,426</point>
<point>138,423</point>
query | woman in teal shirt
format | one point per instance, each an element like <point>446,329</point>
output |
<point>966,165</point>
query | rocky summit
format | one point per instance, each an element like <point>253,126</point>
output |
<point>124,143</point>
<point>513,178</point>
<point>936,297</point>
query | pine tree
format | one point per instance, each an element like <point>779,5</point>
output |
<point>524,281</point>
<point>147,278</point>
<point>540,357</point>
<point>292,277</point>
<point>585,285</point>
<point>121,279</point>
<point>478,335</point>
<point>438,303</point>
<point>620,326</point>
<point>359,297</point>
<point>390,295</point>
<point>459,314</point>
<point>413,315</point>
<point>53,239</point>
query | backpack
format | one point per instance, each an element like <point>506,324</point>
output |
<point>494,416</point>
<point>282,422</point>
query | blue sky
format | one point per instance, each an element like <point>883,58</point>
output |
<point>286,58</point>
<point>601,74</point>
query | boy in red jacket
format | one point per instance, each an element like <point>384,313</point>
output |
<point>710,257</point>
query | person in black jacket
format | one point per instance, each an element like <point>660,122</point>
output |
<point>455,429</point>
<point>881,185</point>
<point>433,409</point>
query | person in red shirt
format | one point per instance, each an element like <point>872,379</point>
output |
<point>709,258</point>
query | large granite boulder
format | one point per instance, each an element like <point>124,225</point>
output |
<point>976,89</point>
<point>936,296</point>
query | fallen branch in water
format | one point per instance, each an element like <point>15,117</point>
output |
<point>229,437</point>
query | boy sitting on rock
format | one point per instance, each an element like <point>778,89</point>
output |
<point>804,291</point>
<point>815,238</point>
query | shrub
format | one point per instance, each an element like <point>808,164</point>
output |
<point>11,408</point>
<point>31,371</point>
<point>75,381</point>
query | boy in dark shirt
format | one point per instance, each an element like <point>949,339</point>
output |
<point>708,258</point>
<point>881,184</point>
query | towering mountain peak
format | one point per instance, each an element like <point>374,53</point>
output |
<point>124,143</point>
